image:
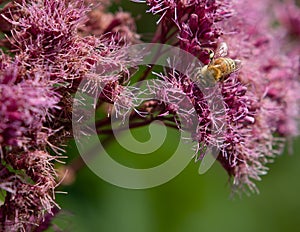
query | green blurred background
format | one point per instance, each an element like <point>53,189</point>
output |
<point>190,202</point>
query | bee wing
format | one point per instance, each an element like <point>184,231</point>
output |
<point>238,64</point>
<point>222,50</point>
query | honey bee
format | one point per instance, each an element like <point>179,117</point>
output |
<point>220,67</point>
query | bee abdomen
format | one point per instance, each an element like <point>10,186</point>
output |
<point>226,65</point>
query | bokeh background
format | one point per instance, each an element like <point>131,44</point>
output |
<point>190,202</point>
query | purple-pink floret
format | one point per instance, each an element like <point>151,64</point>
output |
<point>25,204</point>
<point>51,57</point>
<point>25,106</point>
<point>288,15</point>
<point>197,22</point>
<point>48,53</point>
<point>261,98</point>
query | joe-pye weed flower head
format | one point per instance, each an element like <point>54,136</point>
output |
<point>50,58</point>
<point>53,52</point>
<point>262,104</point>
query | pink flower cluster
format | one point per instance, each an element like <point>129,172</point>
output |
<point>50,57</point>
<point>51,50</point>
<point>261,98</point>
